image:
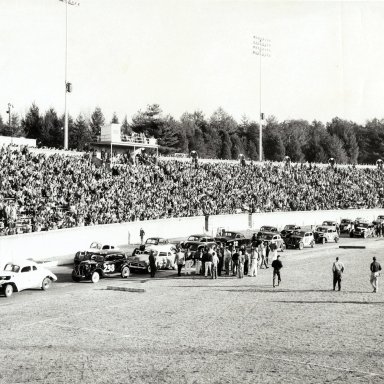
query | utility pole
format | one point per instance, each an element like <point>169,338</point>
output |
<point>68,86</point>
<point>261,48</point>
<point>9,115</point>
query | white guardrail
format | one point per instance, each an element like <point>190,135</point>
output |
<point>44,246</point>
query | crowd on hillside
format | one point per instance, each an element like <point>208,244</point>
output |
<point>46,192</point>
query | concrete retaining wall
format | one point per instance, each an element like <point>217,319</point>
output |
<point>52,245</point>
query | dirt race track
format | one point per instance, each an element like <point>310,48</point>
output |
<point>198,330</point>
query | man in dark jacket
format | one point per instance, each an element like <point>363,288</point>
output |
<point>375,268</point>
<point>277,265</point>
<point>152,263</point>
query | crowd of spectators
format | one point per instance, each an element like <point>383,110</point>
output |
<point>46,192</point>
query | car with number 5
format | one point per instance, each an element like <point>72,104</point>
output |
<point>24,275</point>
<point>101,266</point>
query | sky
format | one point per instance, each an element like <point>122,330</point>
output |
<point>327,57</point>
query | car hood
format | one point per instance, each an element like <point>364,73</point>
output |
<point>6,274</point>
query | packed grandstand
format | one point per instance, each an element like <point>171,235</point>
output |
<point>41,191</point>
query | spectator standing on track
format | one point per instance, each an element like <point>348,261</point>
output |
<point>273,250</point>
<point>246,262</point>
<point>227,260</point>
<point>220,255</point>
<point>253,260</point>
<point>142,233</point>
<point>375,268</point>
<point>198,262</point>
<point>235,262</point>
<point>215,263</point>
<point>276,265</point>
<point>152,263</point>
<point>261,249</point>
<point>179,260</point>
<point>337,269</point>
<point>267,249</point>
<point>207,259</point>
<point>188,262</point>
<point>241,264</point>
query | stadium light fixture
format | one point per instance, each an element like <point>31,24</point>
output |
<point>68,86</point>
<point>261,48</point>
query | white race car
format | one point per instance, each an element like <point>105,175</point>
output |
<point>24,275</point>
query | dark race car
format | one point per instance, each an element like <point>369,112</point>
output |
<point>362,230</point>
<point>100,266</point>
<point>300,239</point>
<point>288,230</point>
<point>232,239</point>
<point>346,225</point>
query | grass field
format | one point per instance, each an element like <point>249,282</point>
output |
<point>198,330</point>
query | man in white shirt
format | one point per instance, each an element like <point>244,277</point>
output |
<point>215,262</point>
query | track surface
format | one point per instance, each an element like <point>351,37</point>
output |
<point>197,330</point>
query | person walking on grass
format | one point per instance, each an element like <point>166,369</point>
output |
<point>276,265</point>
<point>338,270</point>
<point>375,268</point>
<point>179,261</point>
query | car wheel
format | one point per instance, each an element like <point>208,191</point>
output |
<point>75,277</point>
<point>323,240</point>
<point>46,284</point>
<point>8,290</point>
<point>301,246</point>
<point>125,272</point>
<point>95,277</point>
<point>336,239</point>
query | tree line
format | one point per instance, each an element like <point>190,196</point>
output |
<point>218,136</point>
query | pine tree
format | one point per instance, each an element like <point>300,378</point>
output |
<point>96,122</point>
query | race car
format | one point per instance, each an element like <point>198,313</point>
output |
<point>363,230</point>
<point>273,237</point>
<point>325,235</point>
<point>300,239</point>
<point>346,225</point>
<point>94,248</point>
<point>164,255</point>
<point>24,275</point>
<point>100,266</point>
<point>232,238</point>
<point>288,230</point>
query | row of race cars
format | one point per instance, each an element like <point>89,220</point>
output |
<point>100,260</point>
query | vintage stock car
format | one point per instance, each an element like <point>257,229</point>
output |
<point>326,234</point>
<point>100,266</point>
<point>24,275</point>
<point>363,230</point>
<point>300,239</point>
<point>165,259</point>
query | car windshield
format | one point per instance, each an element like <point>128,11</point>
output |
<point>267,237</point>
<point>12,268</point>
<point>345,221</point>
<point>381,217</point>
<point>329,223</point>
<point>151,241</point>
<point>364,225</point>
<point>95,246</point>
<point>193,247</point>
<point>230,234</point>
<point>290,227</point>
<point>321,229</point>
<point>194,238</point>
<point>299,233</point>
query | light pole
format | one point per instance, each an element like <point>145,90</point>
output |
<point>261,48</point>
<point>9,115</point>
<point>68,86</point>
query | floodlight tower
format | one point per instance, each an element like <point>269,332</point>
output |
<point>261,48</point>
<point>9,114</point>
<point>68,86</point>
